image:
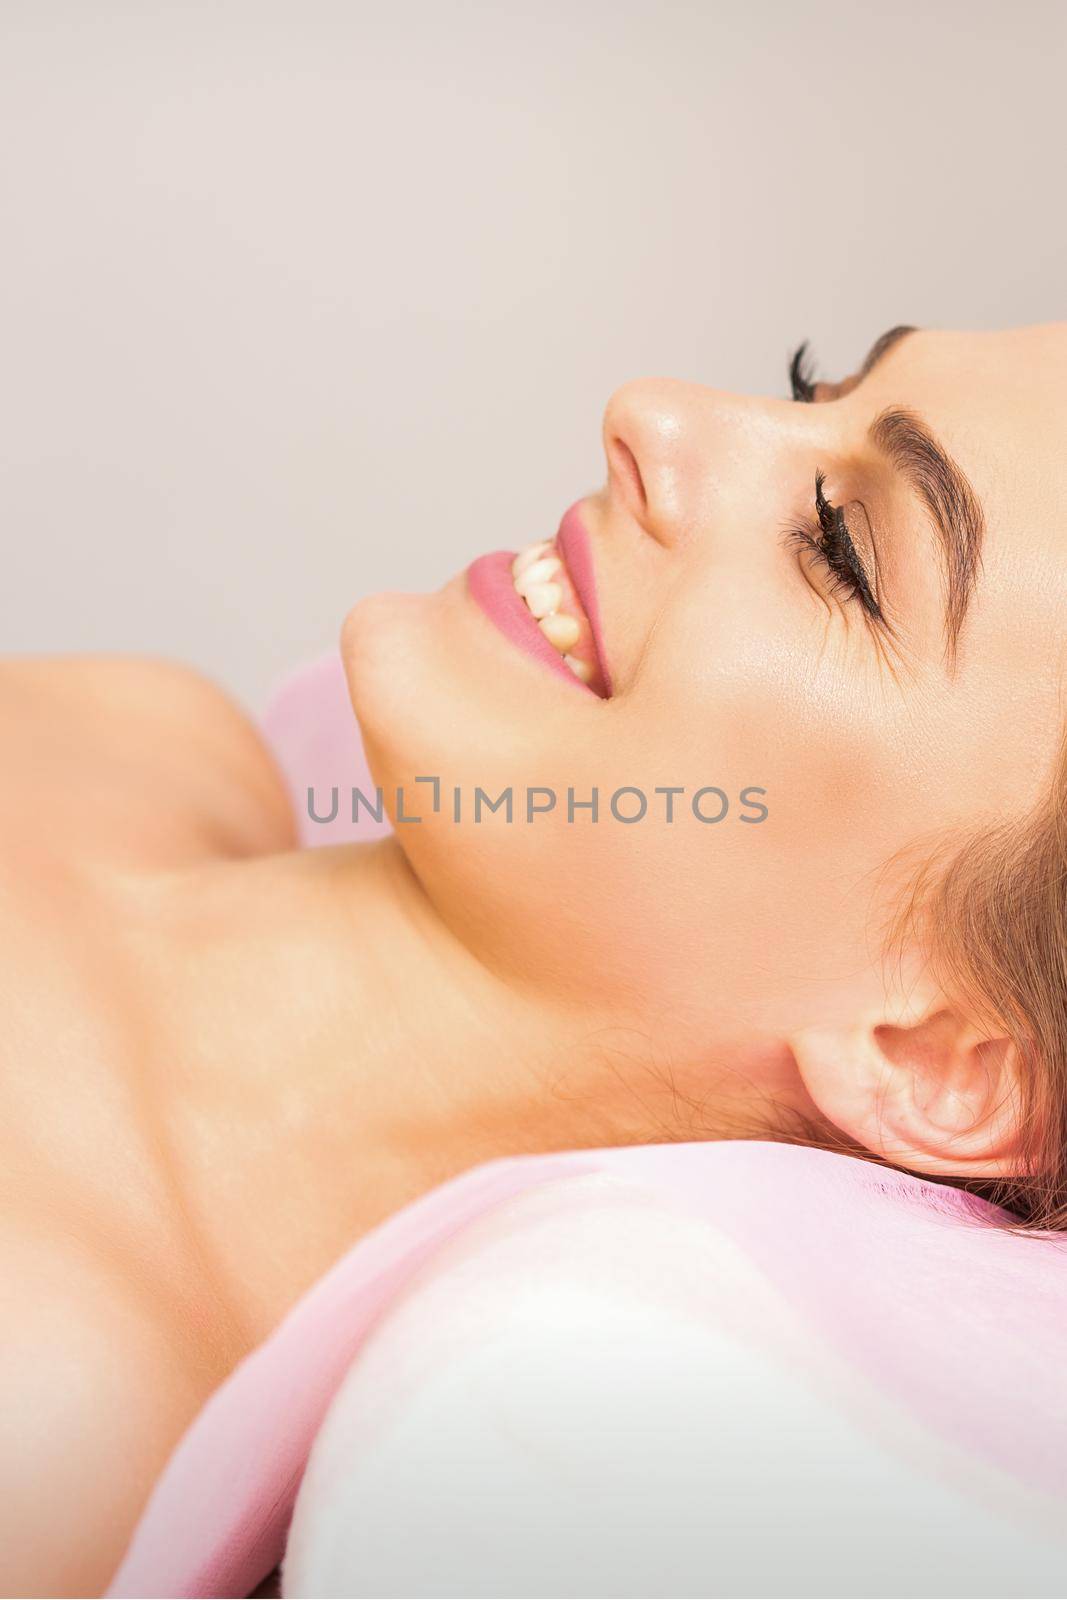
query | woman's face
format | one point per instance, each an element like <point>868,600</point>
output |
<point>880,656</point>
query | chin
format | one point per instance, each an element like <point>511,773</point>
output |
<point>416,690</point>
<point>435,691</point>
<point>380,647</point>
<point>384,647</point>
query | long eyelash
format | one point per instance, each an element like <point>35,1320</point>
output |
<point>834,548</point>
<point>802,374</point>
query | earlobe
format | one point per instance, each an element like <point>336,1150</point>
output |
<point>929,1090</point>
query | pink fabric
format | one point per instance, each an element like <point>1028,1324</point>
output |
<point>313,731</point>
<point>954,1319</point>
<point>909,1283</point>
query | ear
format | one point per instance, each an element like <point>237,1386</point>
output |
<point>926,1090</point>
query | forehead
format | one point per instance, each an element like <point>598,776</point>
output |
<point>998,404</point>
<point>1001,396</point>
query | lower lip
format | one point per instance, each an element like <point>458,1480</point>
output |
<point>492,588</point>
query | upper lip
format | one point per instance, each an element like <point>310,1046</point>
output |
<point>575,549</point>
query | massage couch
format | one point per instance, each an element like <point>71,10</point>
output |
<point>698,1369</point>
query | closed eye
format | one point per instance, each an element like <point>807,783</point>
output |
<point>826,538</point>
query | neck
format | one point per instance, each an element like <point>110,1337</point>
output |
<point>328,1051</point>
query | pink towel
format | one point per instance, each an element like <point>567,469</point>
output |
<point>311,727</point>
<point>910,1283</point>
<point>915,1285</point>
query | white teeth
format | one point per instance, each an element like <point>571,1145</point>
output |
<point>527,557</point>
<point>580,668</point>
<point>532,571</point>
<point>560,630</point>
<point>537,572</point>
<point>543,598</point>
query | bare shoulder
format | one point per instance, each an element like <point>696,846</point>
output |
<point>95,1389</point>
<point>127,735</point>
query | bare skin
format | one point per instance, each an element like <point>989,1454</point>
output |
<point>108,1301</point>
<point>167,1193</point>
<point>223,1060</point>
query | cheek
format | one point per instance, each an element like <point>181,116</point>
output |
<point>698,927</point>
<point>785,694</point>
<point>778,914</point>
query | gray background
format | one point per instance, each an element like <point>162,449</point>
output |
<point>302,300</point>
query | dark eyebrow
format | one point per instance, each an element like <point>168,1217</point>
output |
<point>882,346</point>
<point>904,439</point>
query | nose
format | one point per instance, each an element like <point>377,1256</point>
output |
<point>678,453</point>
<point>649,443</point>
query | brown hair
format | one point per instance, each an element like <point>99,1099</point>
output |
<point>992,917</point>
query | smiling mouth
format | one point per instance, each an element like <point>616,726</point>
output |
<point>534,601</point>
<point>544,600</point>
